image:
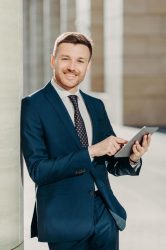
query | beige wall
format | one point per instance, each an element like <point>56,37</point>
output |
<point>144,62</point>
<point>129,58</point>
<point>11,81</point>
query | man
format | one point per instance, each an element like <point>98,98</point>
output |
<point>69,145</point>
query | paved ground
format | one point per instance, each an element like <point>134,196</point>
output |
<point>144,197</point>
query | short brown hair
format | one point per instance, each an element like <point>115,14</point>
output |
<point>75,38</point>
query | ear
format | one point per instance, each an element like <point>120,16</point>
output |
<point>52,61</point>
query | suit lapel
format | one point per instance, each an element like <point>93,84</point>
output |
<point>60,109</point>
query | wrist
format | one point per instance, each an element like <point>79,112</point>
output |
<point>132,161</point>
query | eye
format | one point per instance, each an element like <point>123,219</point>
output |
<point>64,58</point>
<point>80,61</point>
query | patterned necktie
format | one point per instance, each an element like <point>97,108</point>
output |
<point>79,123</point>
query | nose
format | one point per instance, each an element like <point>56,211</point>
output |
<point>72,66</point>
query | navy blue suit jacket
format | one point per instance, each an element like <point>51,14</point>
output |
<point>62,169</point>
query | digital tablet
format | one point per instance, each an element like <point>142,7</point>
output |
<point>127,149</point>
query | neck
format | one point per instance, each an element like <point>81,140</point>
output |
<point>71,90</point>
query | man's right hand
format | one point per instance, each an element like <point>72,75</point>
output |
<point>109,146</point>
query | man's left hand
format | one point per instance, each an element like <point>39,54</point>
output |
<point>139,150</point>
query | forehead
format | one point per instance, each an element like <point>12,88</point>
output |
<point>73,50</point>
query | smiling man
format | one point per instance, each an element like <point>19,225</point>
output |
<point>69,63</point>
<point>69,145</point>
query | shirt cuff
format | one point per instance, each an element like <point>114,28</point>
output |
<point>136,165</point>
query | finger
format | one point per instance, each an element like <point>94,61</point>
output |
<point>113,147</point>
<point>145,141</point>
<point>111,152</point>
<point>135,151</point>
<point>120,140</point>
<point>116,146</point>
<point>140,148</point>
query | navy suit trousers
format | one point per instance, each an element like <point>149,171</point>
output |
<point>104,237</point>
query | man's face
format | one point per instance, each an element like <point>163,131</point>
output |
<point>70,64</point>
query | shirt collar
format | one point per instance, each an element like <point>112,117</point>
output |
<point>63,93</point>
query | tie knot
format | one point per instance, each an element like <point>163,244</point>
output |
<point>74,100</point>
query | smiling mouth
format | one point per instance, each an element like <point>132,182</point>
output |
<point>70,76</point>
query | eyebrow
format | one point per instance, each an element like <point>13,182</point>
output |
<point>64,55</point>
<point>79,58</point>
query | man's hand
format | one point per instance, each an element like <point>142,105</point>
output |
<point>108,146</point>
<point>139,150</point>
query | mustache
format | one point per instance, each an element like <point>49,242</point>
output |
<point>71,71</point>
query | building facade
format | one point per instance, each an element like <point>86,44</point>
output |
<point>129,58</point>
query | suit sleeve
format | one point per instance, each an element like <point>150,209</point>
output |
<point>43,169</point>
<point>117,166</point>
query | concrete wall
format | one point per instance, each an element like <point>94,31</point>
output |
<point>144,62</point>
<point>11,81</point>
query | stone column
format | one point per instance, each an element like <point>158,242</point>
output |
<point>97,32</point>
<point>11,81</point>
<point>26,47</point>
<point>82,22</point>
<point>135,60</point>
<point>71,15</point>
<point>51,29</point>
<point>41,27</point>
<point>33,46</point>
<point>67,15</point>
<point>113,55</point>
<point>144,62</point>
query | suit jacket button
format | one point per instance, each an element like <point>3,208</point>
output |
<point>91,193</point>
